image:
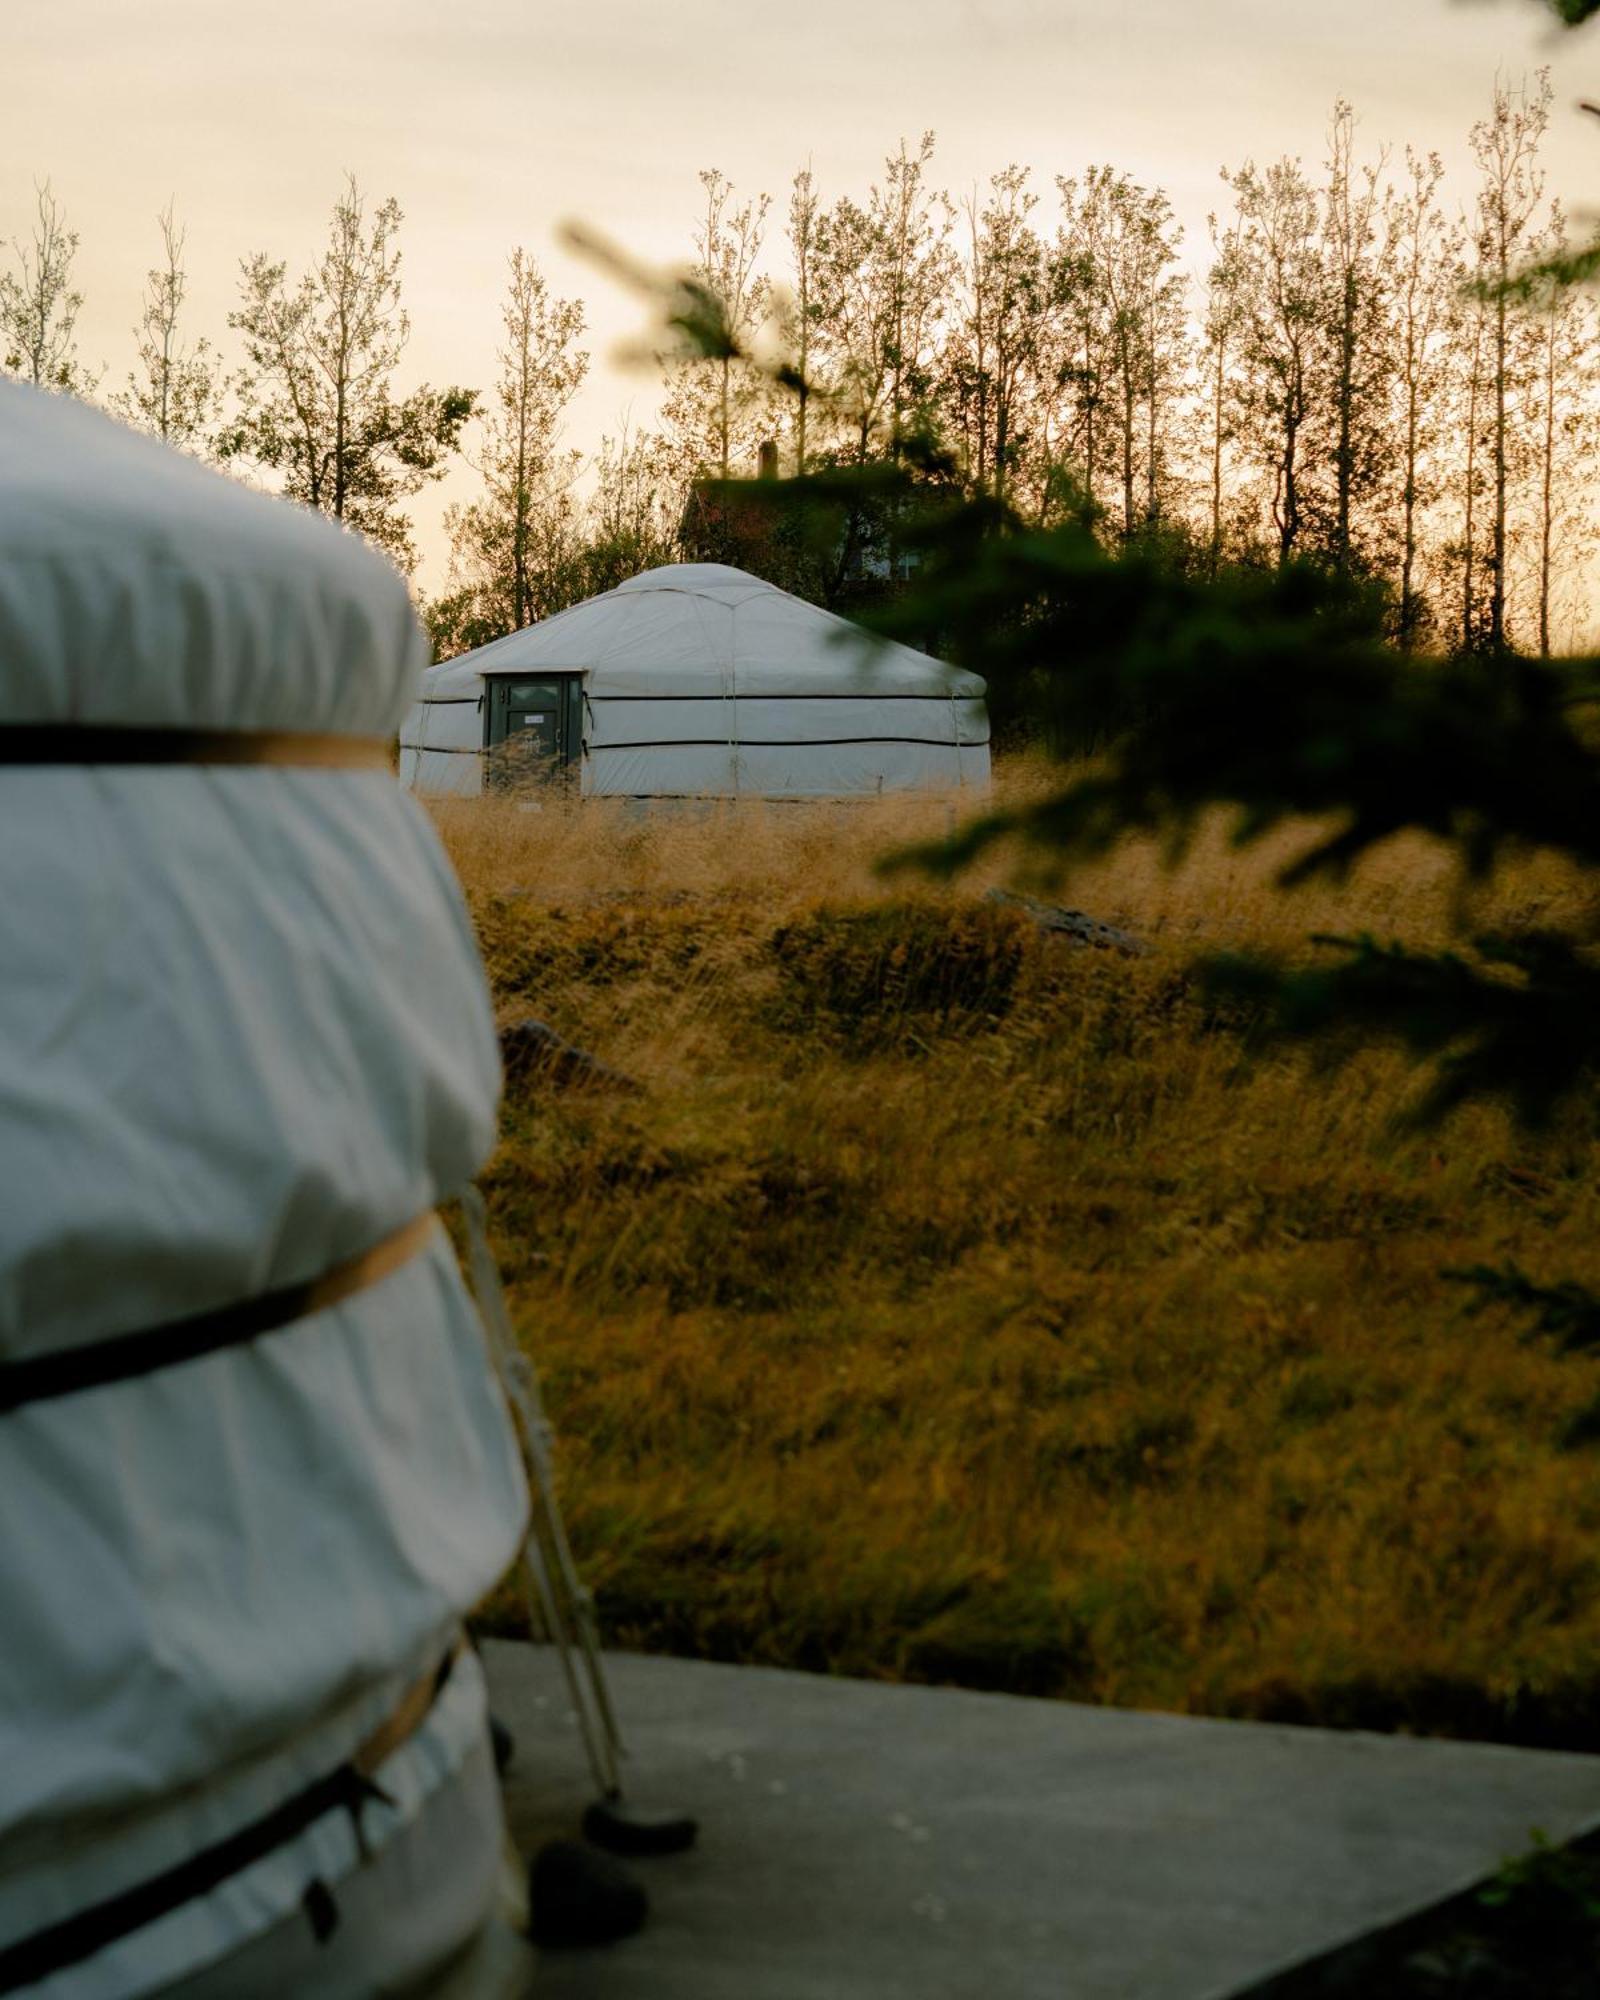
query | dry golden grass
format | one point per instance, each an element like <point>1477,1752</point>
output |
<point>955,1303</point>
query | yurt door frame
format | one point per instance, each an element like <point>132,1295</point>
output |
<point>539,721</point>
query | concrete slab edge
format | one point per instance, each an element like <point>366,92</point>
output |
<point>1344,1971</point>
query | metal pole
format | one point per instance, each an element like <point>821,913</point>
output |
<point>549,1567</point>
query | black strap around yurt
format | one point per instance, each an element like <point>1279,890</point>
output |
<point>38,1378</point>
<point>80,1936</point>
<point>54,743</point>
<point>86,1932</point>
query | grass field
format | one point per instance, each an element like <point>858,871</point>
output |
<point>955,1303</point>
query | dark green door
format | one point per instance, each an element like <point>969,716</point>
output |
<point>526,730</point>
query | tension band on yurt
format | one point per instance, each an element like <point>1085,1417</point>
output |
<point>348,1789</point>
<point>38,1378</point>
<point>91,743</point>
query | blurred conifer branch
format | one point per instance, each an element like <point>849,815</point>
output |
<point>1272,693</point>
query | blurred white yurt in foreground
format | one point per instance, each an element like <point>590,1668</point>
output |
<point>255,1465</point>
<point>698,681</point>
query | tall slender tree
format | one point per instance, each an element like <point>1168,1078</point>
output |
<point>1221,330</point>
<point>1358,279</point>
<point>1283,294</point>
<point>1505,146</point>
<point>317,403</point>
<point>801,307</point>
<point>39,304</point>
<point>1475,370</point>
<point>175,390</point>
<point>915,269</point>
<point>846,347</point>
<point>1560,533</point>
<point>1161,307</point>
<point>1082,365</point>
<point>716,408</point>
<point>991,358</point>
<point>512,549</point>
<point>885,272</point>
<point>1423,251</point>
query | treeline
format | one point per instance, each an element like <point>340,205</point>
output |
<point>1354,378</point>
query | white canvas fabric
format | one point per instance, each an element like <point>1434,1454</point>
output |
<point>702,680</point>
<point>244,1035</point>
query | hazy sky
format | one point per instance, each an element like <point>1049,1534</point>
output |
<point>493,120</point>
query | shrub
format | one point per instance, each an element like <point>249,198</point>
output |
<point>895,973</point>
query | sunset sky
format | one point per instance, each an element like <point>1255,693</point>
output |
<point>494,120</point>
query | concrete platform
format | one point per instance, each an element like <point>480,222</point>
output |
<point>863,1842</point>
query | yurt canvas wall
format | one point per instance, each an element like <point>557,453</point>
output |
<point>697,680</point>
<point>245,1046</point>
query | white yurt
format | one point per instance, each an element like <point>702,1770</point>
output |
<point>255,1463</point>
<point>696,681</point>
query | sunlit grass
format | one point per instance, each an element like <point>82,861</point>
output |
<point>956,1303</point>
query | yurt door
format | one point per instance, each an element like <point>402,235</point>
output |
<point>527,735</point>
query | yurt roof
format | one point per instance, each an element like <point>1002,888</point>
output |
<point>137,588</point>
<point>705,629</point>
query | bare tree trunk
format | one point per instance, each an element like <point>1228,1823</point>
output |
<point>1344,458</point>
<point>802,236</point>
<point>1002,439</point>
<point>168,323</point>
<point>1286,501</point>
<point>980,351</point>
<point>1128,408</point>
<point>1546,481</point>
<point>1219,385</point>
<point>1408,508</point>
<point>522,607</point>
<point>1470,553</point>
<point>1497,557</point>
<point>1091,460</point>
<point>1506,146</point>
<point>1152,492</point>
